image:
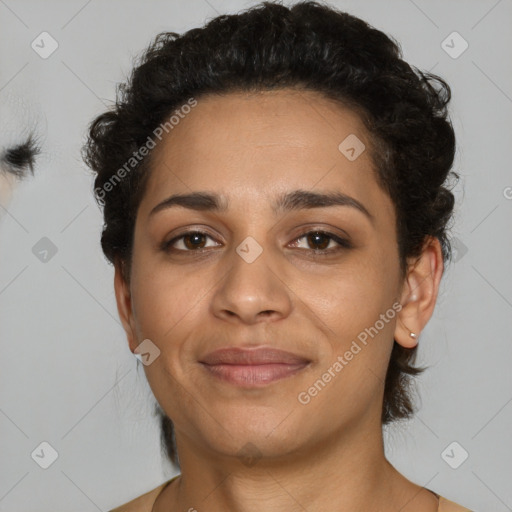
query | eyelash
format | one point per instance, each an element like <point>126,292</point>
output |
<point>343,243</point>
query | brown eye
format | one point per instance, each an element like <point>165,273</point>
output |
<point>319,241</point>
<point>194,241</point>
<point>190,241</point>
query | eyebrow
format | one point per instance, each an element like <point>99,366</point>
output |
<point>290,201</point>
<point>20,158</point>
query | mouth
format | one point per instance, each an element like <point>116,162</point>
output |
<point>253,368</point>
<point>253,375</point>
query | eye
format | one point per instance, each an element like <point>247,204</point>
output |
<point>323,239</point>
<point>195,241</point>
<point>190,240</point>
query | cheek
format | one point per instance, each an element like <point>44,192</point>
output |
<point>348,299</point>
<point>358,319</point>
<point>354,309</point>
<point>361,332</point>
<point>169,309</point>
<point>7,183</point>
<point>165,301</point>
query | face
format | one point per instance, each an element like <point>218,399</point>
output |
<point>19,122</point>
<point>275,265</point>
<point>7,182</point>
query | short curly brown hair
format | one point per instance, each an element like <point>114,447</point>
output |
<point>314,47</point>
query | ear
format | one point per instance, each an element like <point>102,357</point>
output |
<point>124,305</point>
<point>419,293</point>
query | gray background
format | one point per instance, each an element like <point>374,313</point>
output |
<point>67,376</point>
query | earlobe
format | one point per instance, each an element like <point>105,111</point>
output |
<point>419,293</point>
<point>124,304</point>
<point>407,342</point>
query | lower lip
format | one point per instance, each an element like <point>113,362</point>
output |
<point>254,375</point>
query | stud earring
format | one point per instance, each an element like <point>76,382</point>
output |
<point>413,335</point>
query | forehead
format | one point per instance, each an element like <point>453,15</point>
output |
<point>255,144</point>
<point>280,119</point>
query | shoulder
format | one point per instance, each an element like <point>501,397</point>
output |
<point>449,506</point>
<point>143,503</point>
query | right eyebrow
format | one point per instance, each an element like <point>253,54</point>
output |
<point>20,158</point>
<point>295,200</point>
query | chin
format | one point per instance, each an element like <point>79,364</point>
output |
<point>268,431</point>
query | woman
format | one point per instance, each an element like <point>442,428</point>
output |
<point>20,143</point>
<point>275,204</point>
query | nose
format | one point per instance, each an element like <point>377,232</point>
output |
<point>252,292</point>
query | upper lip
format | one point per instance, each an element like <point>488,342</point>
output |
<point>241,356</point>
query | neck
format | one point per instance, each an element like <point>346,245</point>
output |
<point>349,469</point>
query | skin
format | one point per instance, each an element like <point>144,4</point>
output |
<point>20,117</point>
<point>251,148</point>
<point>7,183</point>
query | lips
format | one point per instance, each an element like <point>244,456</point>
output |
<point>240,356</point>
<point>253,367</point>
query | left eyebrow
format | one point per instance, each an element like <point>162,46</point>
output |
<point>304,199</point>
<point>20,158</point>
<point>290,201</point>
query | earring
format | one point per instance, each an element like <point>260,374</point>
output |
<point>411,334</point>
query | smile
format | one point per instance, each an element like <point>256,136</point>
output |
<point>253,375</point>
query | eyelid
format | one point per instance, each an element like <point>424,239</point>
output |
<point>343,241</point>
<point>188,231</point>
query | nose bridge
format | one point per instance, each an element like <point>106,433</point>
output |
<point>252,285</point>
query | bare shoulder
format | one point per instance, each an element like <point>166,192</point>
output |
<point>449,506</point>
<point>143,503</point>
